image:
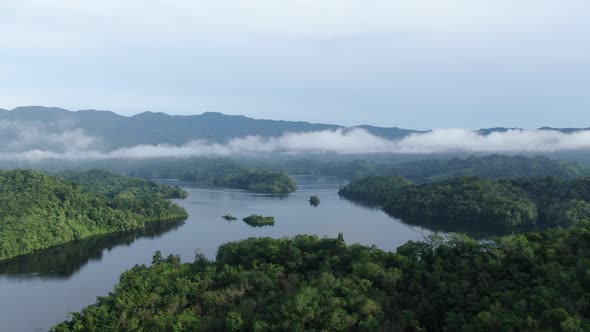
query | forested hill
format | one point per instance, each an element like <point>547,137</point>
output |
<point>489,167</point>
<point>265,175</point>
<point>545,201</point>
<point>110,184</point>
<point>530,282</point>
<point>218,172</point>
<point>39,210</point>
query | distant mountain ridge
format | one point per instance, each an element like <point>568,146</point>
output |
<point>160,128</point>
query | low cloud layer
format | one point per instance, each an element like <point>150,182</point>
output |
<point>58,136</point>
<point>74,145</point>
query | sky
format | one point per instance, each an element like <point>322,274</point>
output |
<point>412,64</point>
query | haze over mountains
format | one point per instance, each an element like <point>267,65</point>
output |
<point>161,128</point>
<point>36,132</point>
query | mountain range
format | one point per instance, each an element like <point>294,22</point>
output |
<point>160,128</point>
<point>115,130</point>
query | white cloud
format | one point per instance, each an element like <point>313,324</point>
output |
<point>54,136</point>
<point>465,140</point>
<point>354,141</point>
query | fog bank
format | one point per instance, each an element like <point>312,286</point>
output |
<point>74,144</point>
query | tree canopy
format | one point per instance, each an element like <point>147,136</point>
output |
<point>219,172</point>
<point>256,220</point>
<point>488,167</point>
<point>506,202</point>
<point>110,184</point>
<point>38,210</point>
<point>527,282</point>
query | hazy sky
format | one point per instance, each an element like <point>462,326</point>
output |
<point>418,64</point>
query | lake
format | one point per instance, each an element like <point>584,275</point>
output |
<point>38,290</point>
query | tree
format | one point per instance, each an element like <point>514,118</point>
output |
<point>314,201</point>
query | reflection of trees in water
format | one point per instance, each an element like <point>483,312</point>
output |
<point>362,203</point>
<point>65,260</point>
<point>475,229</point>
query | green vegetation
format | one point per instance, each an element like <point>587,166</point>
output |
<point>110,184</point>
<point>39,210</point>
<point>508,202</point>
<point>529,282</point>
<point>314,201</point>
<point>464,199</point>
<point>220,172</point>
<point>255,220</point>
<point>269,176</point>
<point>489,167</point>
<point>258,181</point>
<point>375,189</point>
<point>559,201</point>
<point>230,217</point>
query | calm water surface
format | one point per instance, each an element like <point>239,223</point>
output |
<point>38,291</point>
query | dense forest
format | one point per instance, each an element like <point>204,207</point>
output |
<point>219,172</point>
<point>112,185</point>
<point>527,282</point>
<point>488,167</point>
<point>545,201</point>
<point>38,210</point>
<point>375,189</point>
<point>270,175</point>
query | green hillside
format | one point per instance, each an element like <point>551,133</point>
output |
<point>39,210</point>
<point>545,201</point>
<point>530,282</point>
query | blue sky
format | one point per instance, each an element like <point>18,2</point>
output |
<point>414,64</point>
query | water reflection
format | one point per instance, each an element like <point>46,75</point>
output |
<point>476,230</point>
<point>362,203</point>
<point>63,261</point>
<point>78,272</point>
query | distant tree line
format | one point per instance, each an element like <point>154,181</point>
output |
<point>219,172</point>
<point>489,167</point>
<point>270,175</point>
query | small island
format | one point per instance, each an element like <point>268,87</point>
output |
<point>258,181</point>
<point>230,217</point>
<point>314,201</point>
<point>256,220</point>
